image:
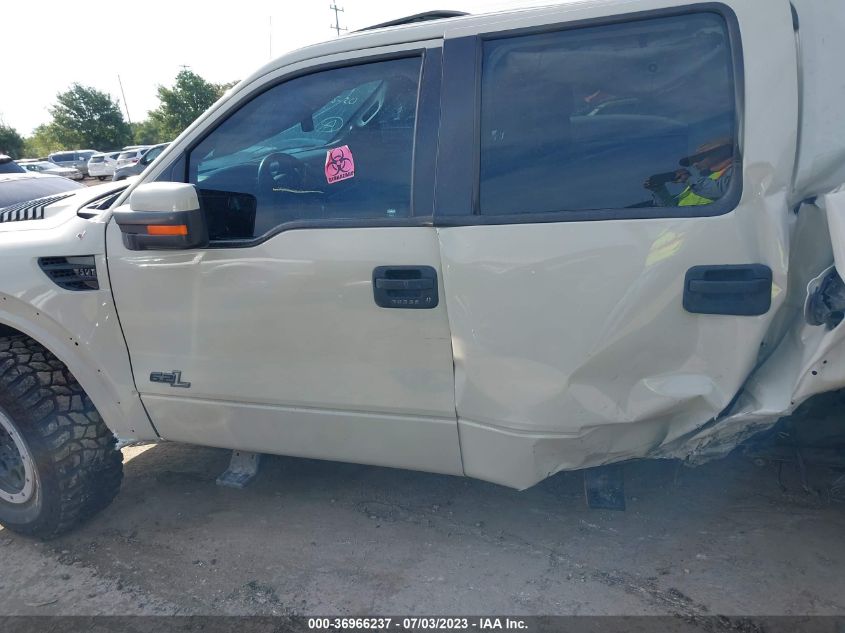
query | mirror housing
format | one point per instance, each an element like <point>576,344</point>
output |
<point>163,216</point>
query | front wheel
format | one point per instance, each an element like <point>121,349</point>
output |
<point>59,464</point>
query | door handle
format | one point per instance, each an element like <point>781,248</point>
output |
<point>752,286</point>
<point>405,284</point>
<point>408,287</point>
<point>740,290</point>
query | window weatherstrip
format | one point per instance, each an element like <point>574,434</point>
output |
<point>424,155</point>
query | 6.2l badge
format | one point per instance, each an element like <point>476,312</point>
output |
<point>172,378</point>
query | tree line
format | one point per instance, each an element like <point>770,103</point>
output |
<point>86,118</point>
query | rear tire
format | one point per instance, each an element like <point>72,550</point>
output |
<point>59,464</point>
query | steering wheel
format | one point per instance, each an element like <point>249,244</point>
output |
<point>280,170</point>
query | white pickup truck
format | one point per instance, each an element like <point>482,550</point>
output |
<point>497,246</point>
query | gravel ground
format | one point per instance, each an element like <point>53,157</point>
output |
<point>312,537</point>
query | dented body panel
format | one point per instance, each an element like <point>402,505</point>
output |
<point>577,352</point>
<point>805,359</point>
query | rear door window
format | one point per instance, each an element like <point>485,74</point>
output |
<point>620,116</point>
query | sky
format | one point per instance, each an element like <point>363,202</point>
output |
<point>56,43</point>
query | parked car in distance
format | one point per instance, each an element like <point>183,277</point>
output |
<point>102,165</point>
<point>130,156</point>
<point>133,169</point>
<point>46,167</point>
<point>78,159</point>
<point>8,166</point>
<point>19,185</point>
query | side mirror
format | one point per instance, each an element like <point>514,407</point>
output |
<point>163,216</point>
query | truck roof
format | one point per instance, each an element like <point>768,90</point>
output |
<point>414,28</point>
<point>427,16</point>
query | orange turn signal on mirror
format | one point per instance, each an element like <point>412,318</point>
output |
<point>177,229</point>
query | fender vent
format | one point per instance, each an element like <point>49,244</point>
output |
<point>93,208</point>
<point>30,210</point>
<point>71,273</point>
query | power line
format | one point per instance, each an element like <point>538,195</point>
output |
<point>337,11</point>
<point>125,105</point>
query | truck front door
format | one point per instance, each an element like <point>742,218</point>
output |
<point>312,324</point>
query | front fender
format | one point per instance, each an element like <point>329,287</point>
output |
<point>80,327</point>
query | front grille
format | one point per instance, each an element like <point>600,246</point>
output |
<point>71,273</point>
<point>30,210</point>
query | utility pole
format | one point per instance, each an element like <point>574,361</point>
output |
<point>270,33</point>
<point>337,11</point>
<point>125,105</point>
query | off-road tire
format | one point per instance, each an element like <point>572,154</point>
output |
<point>77,465</point>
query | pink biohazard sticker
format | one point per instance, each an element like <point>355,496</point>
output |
<point>339,164</point>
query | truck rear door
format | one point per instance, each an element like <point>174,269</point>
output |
<point>612,244</point>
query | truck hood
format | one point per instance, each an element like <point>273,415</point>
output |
<point>51,211</point>
<point>23,186</point>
